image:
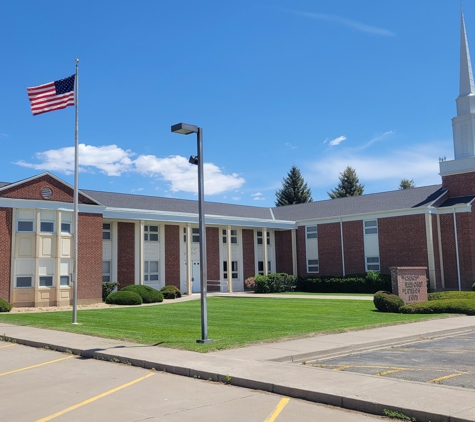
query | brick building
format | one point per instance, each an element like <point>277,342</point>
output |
<point>136,239</point>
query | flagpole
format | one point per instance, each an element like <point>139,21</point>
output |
<point>76,200</point>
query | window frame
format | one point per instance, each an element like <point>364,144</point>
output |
<point>234,236</point>
<point>106,231</point>
<point>373,263</point>
<point>148,233</point>
<point>24,287</point>
<point>25,231</point>
<point>45,286</point>
<point>234,270</point>
<point>147,272</point>
<point>106,275</point>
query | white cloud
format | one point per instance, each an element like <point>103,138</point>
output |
<point>378,138</point>
<point>258,196</point>
<point>114,161</point>
<point>236,198</point>
<point>337,141</point>
<point>346,22</point>
<point>288,144</point>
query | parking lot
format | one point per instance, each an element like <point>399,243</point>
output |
<point>42,385</point>
<point>448,361</point>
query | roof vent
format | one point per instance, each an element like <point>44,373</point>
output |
<point>46,193</point>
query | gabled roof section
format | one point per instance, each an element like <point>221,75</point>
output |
<point>30,189</point>
<point>377,202</point>
<point>172,205</point>
<point>459,200</point>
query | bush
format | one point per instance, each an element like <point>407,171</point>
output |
<point>451,295</point>
<point>473,287</point>
<point>371,282</point>
<point>250,283</point>
<point>5,306</point>
<point>124,298</point>
<point>274,283</point>
<point>387,302</point>
<point>170,292</point>
<point>147,293</point>
<point>451,306</point>
<point>107,288</point>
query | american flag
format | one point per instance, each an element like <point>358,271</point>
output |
<point>52,96</point>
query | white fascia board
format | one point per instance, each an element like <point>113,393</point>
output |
<point>385,214</point>
<point>49,205</point>
<point>174,217</point>
<point>458,209</point>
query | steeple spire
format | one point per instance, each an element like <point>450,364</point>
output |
<point>466,76</point>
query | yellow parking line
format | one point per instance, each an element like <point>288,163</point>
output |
<point>8,345</point>
<point>277,410</point>
<point>391,371</point>
<point>342,367</point>
<point>35,366</point>
<point>83,403</point>
<point>446,377</point>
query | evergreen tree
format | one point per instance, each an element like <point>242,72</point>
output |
<point>294,190</point>
<point>406,184</point>
<point>349,185</point>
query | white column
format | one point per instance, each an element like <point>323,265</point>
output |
<point>264,246</point>
<point>430,252</point>
<point>229,259</point>
<point>189,263</point>
<point>139,270</point>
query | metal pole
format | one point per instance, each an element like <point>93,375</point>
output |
<point>202,227</point>
<point>76,201</point>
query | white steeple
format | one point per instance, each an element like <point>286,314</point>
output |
<point>464,124</point>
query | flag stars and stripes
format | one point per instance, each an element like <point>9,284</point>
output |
<point>52,96</point>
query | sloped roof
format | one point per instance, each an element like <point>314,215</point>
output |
<point>451,202</point>
<point>375,202</point>
<point>154,203</point>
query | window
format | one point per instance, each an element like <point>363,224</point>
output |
<point>311,232</point>
<point>47,227</point>
<point>25,226</point>
<point>234,269</point>
<point>24,282</point>
<point>195,235</point>
<point>150,271</point>
<point>46,281</point>
<point>106,271</point>
<point>233,236</point>
<point>64,280</point>
<point>65,227</point>
<point>371,227</point>
<point>260,267</point>
<point>106,231</point>
<point>312,265</point>
<point>372,263</point>
<point>259,237</point>
<point>150,233</point>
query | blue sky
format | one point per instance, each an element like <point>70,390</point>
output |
<point>316,84</point>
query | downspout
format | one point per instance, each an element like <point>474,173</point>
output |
<point>342,248</point>
<point>457,250</point>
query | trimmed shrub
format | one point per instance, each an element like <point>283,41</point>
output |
<point>451,295</point>
<point>387,302</point>
<point>450,306</point>
<point>107,288</point>
<point>250,283</point>
<point>5,306</point>
<point>274,283</point>
<point>124,298</point>
<point>473,287</point>
<point>147,293</point>
<point>170,292</point>
<point>371,282</point>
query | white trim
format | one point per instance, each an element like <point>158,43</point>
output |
<point>430,252</point>
<point>49,205</point>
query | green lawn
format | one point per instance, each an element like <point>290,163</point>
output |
<point>232,322</point>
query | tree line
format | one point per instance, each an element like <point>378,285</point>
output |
<point>296,191</point>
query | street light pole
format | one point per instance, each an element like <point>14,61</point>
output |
<point>186,129</point>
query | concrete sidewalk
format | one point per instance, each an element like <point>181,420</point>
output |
<point>274,367</point>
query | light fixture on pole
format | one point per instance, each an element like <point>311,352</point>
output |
<point>186,129</point>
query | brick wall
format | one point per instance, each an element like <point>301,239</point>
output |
<point>32,190</point>
<point>329,249</point>
<point>435,237</point>
<point>90,258</point>
<point>459,184</point>
<point>125,254</point>
<point>402,242</point>
<point>465,234</point>
<point>283,251</point>
<point>249,264</point>
<point>212,254</point>
<point>172,255</point>
<point>301,252</point>
<point>5,252</point>
<point>353,244</point>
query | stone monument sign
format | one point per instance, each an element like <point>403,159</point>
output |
<point>409,283</point>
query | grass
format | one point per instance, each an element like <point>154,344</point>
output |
<point>325,294</point>
<point>232,322</point>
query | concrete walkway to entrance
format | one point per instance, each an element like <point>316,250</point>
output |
<point>277,368</point>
